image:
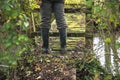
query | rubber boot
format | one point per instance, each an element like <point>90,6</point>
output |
<point>63,36</point>
<point>45,39</point>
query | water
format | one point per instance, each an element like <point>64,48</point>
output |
<point>98,44</point>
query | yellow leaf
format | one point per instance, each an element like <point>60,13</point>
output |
<point>28,73</point>
<point>37,68</point>
<point>47,61</point>
<point>22,67</point>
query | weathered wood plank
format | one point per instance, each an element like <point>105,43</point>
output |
<point>55,34</point>
<point>69,10</point>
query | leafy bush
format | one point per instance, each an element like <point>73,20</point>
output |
<point>89,68</point>
<point>13,41</point>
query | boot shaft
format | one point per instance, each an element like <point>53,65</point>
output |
<point>45,37</point>
<point>63,36</point>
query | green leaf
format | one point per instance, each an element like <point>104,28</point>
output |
<point>8,44</point>
<point>89,3</point>
<point>7,7</point>
<point>108,40</point>
<point>118,45</point>
<point>23,38</point>
<point>14,13</point>
<point>97,8</point>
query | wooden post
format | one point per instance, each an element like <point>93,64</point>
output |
<point>89,34</point>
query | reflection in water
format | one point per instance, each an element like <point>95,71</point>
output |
<point>119,48</point>
<point>98,46</point>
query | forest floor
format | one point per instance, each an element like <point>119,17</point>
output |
<point>37,66</point>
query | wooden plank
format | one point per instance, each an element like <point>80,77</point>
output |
<point>70,10</point>
<point>69,34</point>
<point>55,34</point>
<point>73,10</point>
<point>72,42</point>
<point>57,49</point>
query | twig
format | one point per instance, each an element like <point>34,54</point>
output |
<point>4,66</point>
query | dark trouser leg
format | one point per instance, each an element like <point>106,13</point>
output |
<point>45,38</point>
<point>61,23</point>
<point>58,10</point>
<point>46,14</point>
<point>63,35</point>
<point>46,11</point>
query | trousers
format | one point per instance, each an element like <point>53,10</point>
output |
<point>46,15</point>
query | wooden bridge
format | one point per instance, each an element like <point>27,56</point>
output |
<point>77,29</point>
<point>80,31</point>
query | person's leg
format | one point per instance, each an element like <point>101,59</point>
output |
<point>58,9</point>
<point>46,12</point>
<point>61,23</point>
<point>63,35</point>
